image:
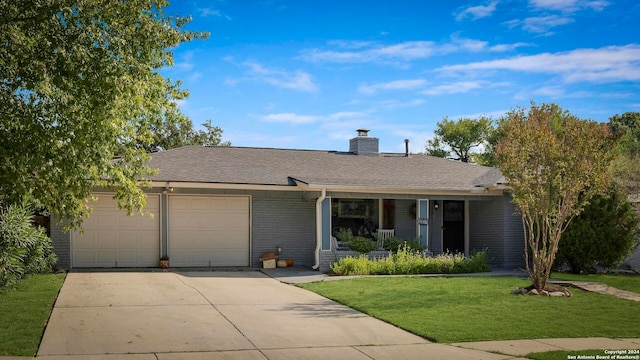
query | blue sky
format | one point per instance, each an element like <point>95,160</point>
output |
<point>306,74</point>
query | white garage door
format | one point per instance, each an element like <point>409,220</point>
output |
<point>113,239</point>
<point>209,230</point>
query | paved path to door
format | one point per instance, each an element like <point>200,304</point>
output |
<point>218,315</point>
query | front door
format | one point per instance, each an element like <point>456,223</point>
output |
<point>453,227</point>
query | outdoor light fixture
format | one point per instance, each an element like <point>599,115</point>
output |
<point>436,205</point>
<point>167,188</point>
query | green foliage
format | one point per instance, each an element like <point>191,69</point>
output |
<point>459,136</point>
<point>362,245</point>
<point>604,234</point>
<point>555,163</point>
<point>24,248</point>
<point>624,168</point>
<point>81,86</point>
<point>344,235</point>
<point>177,131</point>
<point>395,244</point>
<point>409,261</point>
<point>627,128</point>
<point>436,148</point>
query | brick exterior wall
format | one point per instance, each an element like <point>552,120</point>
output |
<point>284,220</point>
<point>486,229</point>
<point>495,226</point>
<point>61,245</point>
<point>405,221</point>
<point>514,236</point>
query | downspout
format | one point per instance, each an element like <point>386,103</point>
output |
<point>323,195</point>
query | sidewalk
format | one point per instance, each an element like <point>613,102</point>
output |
<point>524,347</point>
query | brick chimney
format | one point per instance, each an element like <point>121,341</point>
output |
<point>363,144</point>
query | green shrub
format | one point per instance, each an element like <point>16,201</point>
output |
<point>24,248</point>
<point>344,235</point>
<point>362,245</point>
<point>409,261</point>
<point>604,234</point>
<point>394,244</point>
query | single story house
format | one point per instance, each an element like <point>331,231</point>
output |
<point>226,206</point>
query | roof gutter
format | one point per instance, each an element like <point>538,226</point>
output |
<point>323,195</point>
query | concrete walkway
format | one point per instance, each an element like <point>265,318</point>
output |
<point>599,288</point>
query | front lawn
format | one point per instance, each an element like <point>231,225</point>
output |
<point>483,308</point>
<point>621,281</point>
<point>24,312</point>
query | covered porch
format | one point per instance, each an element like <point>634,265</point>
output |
<point>440,223</point>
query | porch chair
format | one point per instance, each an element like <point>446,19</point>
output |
<point>384,234</point>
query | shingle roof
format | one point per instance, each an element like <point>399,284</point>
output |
<point>264,166</point>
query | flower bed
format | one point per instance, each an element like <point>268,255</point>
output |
<point>407,261</point>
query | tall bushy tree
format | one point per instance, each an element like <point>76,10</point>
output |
<point>604,234</point>
<point>624,168</point>
<point>79,85</point>
<point>555,163</point>
<point>173,133</point>
<point>459,137</point>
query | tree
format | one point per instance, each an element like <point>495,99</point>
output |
<point>459,136</point>
<point>555,163</point>
<point>488,156</point>
<point>79,84</point>
<point>624,168</point>
<point>603,234</point>
<point>172,134</point>
<point>435,148</point>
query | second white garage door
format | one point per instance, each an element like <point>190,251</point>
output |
<point>208,231</point>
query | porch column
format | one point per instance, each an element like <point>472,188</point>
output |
<point>466,228</point>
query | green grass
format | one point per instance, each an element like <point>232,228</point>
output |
<point>622,282</point>
<point>563,355</point>
<point>24,312</point>
<point>483,308</point>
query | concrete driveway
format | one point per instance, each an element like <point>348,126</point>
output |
<point>218,315</point>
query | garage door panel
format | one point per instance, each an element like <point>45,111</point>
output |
<point>208,230</point>
<point>113,239</point>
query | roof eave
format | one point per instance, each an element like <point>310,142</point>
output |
<point>394,190</point>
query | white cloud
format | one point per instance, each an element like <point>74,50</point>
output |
<point>608,64</point>
<point>342,122</point>
<point>541,24</point>
<point>205,12</point>
<point>496,114</point>
<point>549,14</point>
<point>568,6</point>
<point>477,12</point>
<point>551,91</point>
<point>366,51</point>
<point>396,104</point>
<point>290,118</point>
<point>459,44</point>
<point>296,80</point>
<point>392,85</point>
<point>372,52</point>
<point>347,115</point>
<point>459,87</point>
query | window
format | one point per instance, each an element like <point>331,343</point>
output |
<point>359,215</point>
